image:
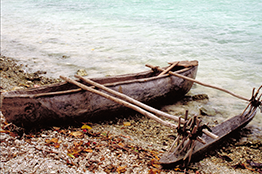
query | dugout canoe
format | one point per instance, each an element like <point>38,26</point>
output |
<point>64,103</point>
<point>223,130</point>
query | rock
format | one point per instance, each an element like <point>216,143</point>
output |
<point>40,72</point>
<point>127,124</point>
<point>4,66</point>
<point>81,72</point>
<point>187,98</point>
<point>16,88</point>
<point>200,97</point>
<point>32,76</point>
<point>29,82</point>
<point>4,137</point>
<point>205,110</point>
<point>65,57</point>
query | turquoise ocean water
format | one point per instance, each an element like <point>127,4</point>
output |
<point>108,37</point>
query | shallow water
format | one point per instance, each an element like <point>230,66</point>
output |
<point>108,38</point>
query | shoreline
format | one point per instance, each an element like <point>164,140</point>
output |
<point>141,136</point>
<point>14,77</point>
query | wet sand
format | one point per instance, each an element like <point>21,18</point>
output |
<point>122,145</point>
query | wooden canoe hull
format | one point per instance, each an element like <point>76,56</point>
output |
<point>39,106</point>
<point>223,130</point>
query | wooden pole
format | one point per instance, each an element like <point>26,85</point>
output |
<point>210,134</point>
<point>121,102</point>
<point>131,100</point>
<point>168,69</point>
<point>200,83</point>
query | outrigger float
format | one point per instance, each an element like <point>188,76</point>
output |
<point>191,143</point>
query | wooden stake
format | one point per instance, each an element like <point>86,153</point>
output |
<point>176,140</point>
<point>187,144</point>
<point>258,92</point>
<point>179,122</point>
<point>191,151</point>
<point>180,144</point>
<point>201,140</point>
<point>187,154</point>
<point>210,134</point>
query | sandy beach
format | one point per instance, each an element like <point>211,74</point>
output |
<point>131,144</point>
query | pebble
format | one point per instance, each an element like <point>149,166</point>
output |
<point>81,72</point>
<point>3,136</point>
<point>17,88</point>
